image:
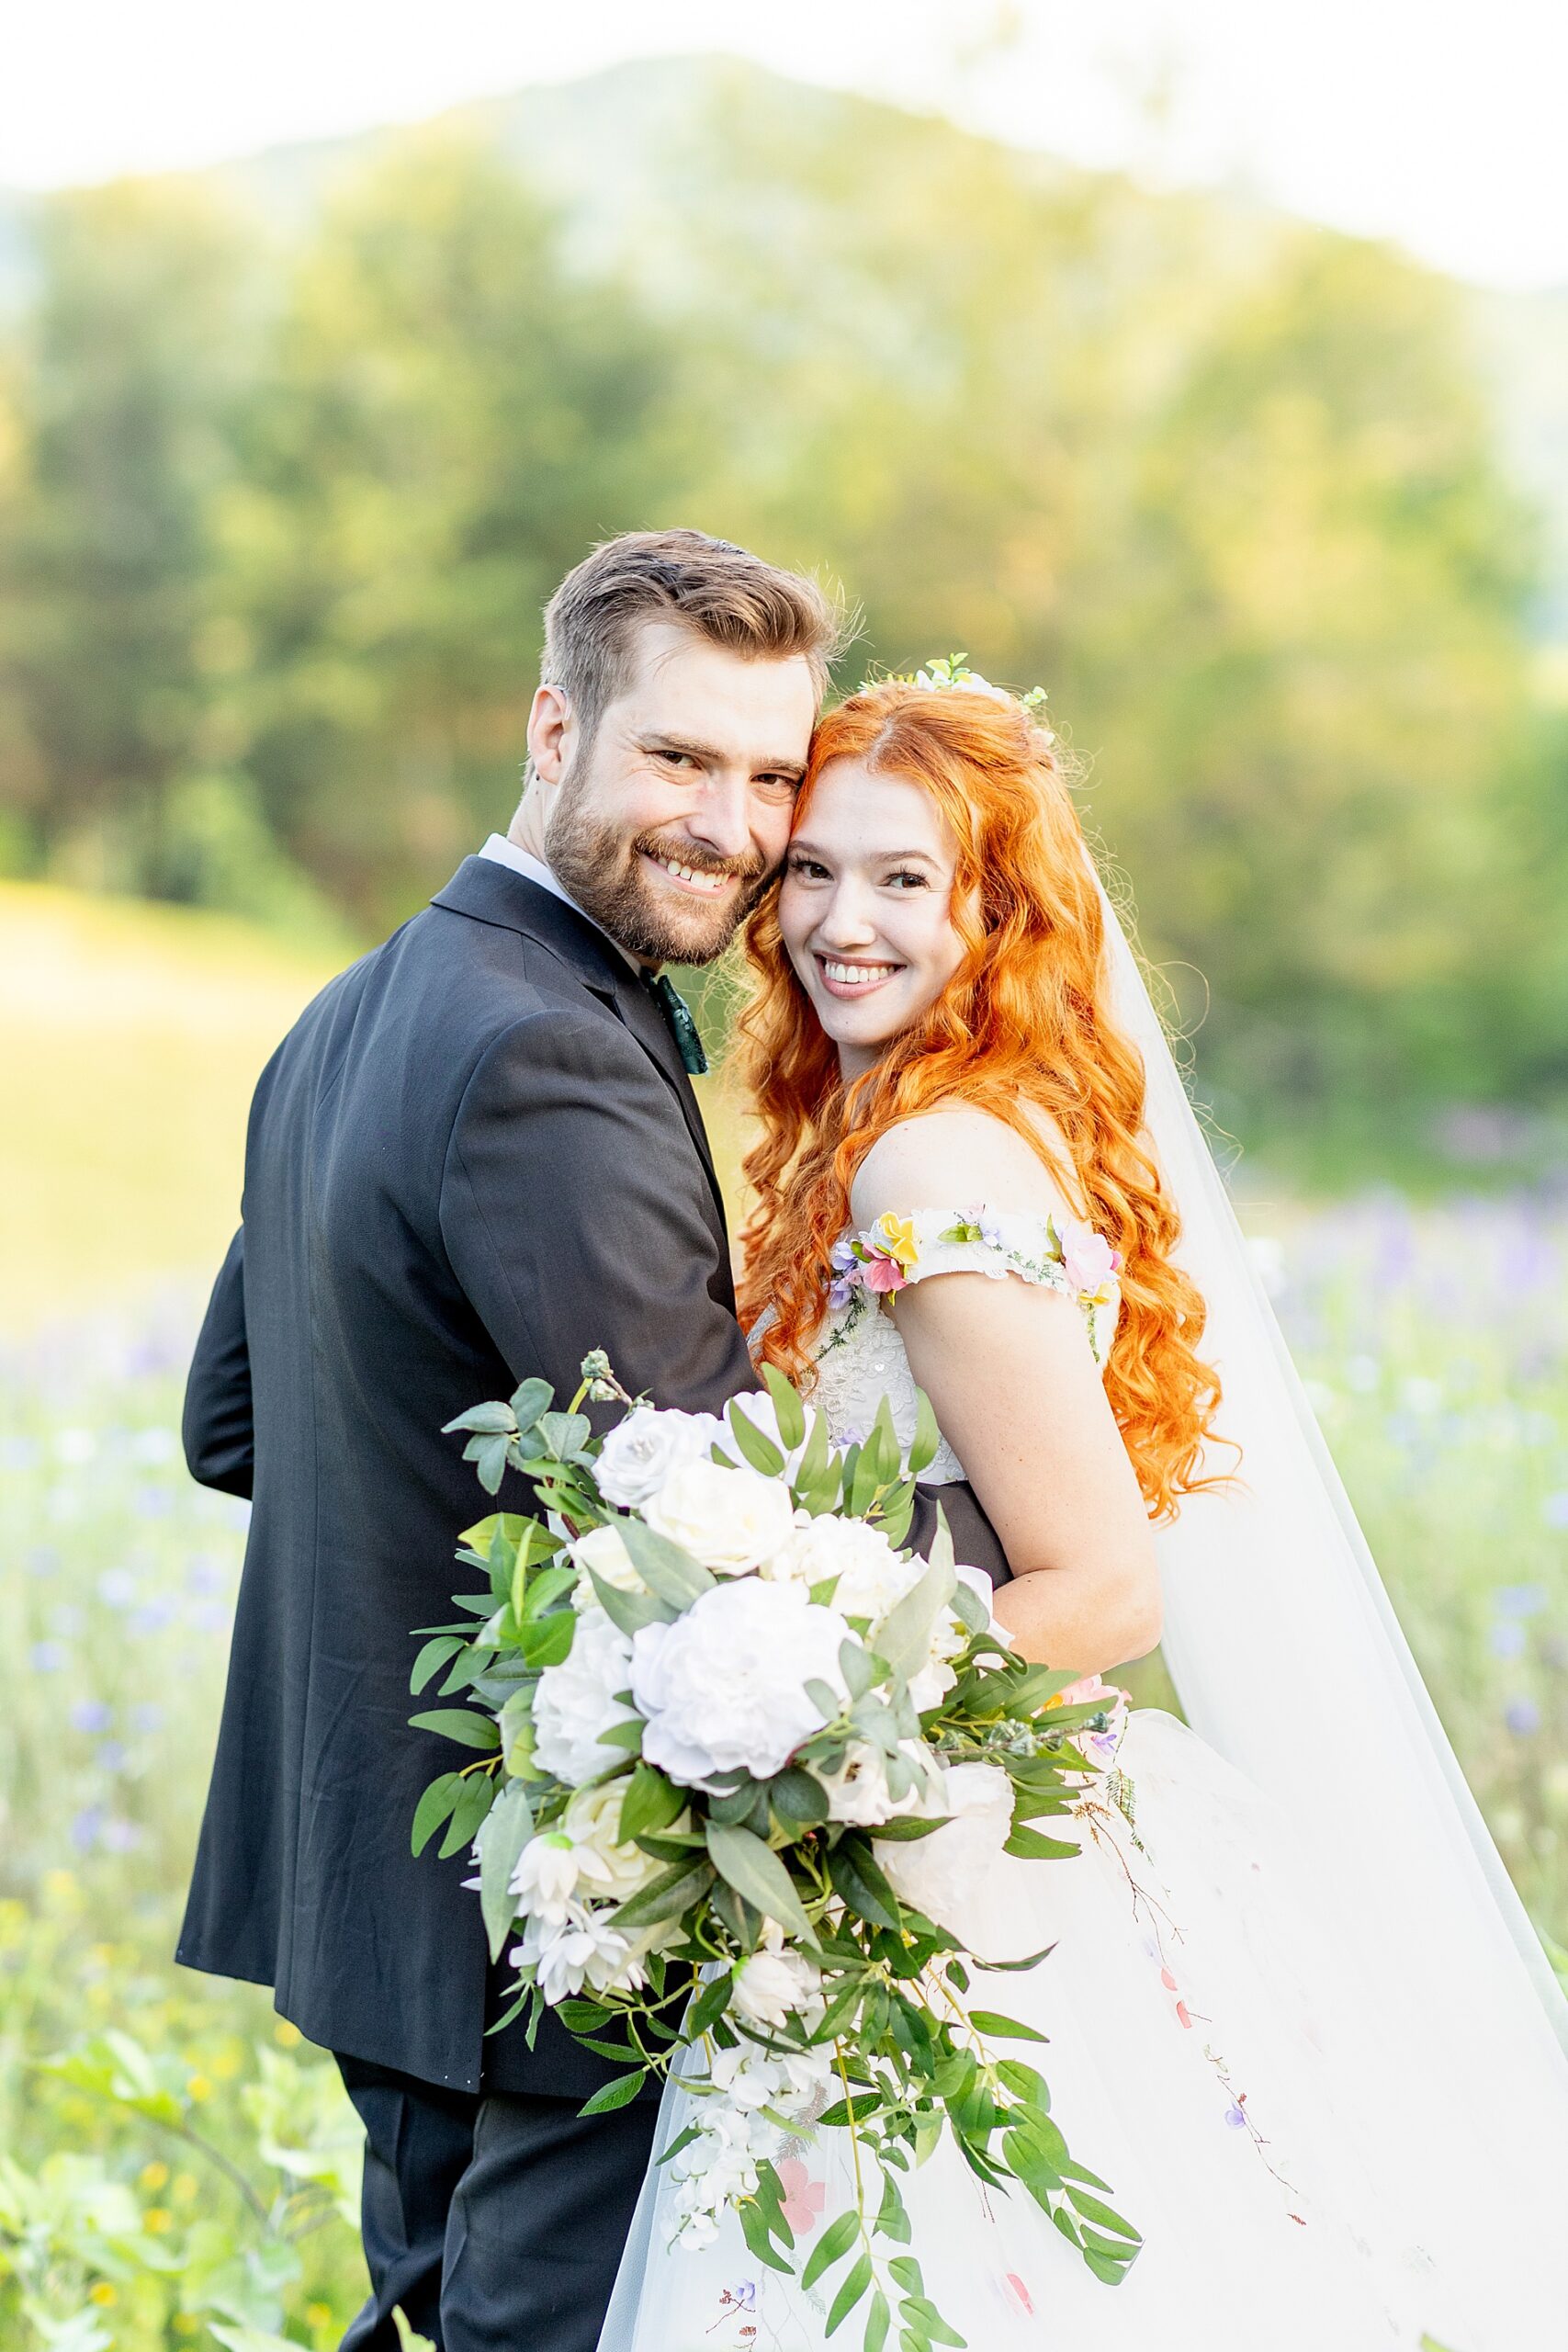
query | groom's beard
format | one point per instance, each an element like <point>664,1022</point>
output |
<point>604,872</point>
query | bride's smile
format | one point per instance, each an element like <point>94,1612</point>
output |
<point>866,908</point>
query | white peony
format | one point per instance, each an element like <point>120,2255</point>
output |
<point>603,1549</point>
<point>576,1701</point>
<point>723,1687</point>
<point>729,1520</point>
<point>947,1874</point>
<point>641,1451</point>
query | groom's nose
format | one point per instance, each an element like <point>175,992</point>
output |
<point>720,820</point>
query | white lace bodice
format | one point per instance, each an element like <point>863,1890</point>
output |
<point>859,1355</point>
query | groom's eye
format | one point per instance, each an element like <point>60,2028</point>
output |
<point>675,759</point>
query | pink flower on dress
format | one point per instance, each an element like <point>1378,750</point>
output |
<point>1087,1259</point>
<point>884,1274</point>
<point>803,2197</point>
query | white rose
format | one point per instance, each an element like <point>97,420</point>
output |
<point>772,1986</point>
<point>603,1549</point>
<point>871,1576</point>
<point>592,1820</point>
<point>729,1520</point>
<point>947,1874</point>
<point>723,1687</point>
<point>641,1451</point>
<point>576,1701</point>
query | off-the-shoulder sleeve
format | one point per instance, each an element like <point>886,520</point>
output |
<point>1054,1251</point>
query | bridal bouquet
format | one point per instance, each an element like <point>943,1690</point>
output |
<point>744,1767</point>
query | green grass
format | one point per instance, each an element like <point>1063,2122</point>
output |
<point>198,2175</point>
<point>130,1037</point>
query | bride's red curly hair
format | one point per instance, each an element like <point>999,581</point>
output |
<point>1024,1023</point>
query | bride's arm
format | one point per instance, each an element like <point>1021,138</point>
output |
<point>1016,1390</point>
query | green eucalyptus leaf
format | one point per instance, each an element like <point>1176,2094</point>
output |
<point>856,2280</point>
<point>504,1832</point>
<point>434,1654</point>
<point>461,1724</point>
<point>529,1401</point>
<point>759,1450</point>
<point>787,1406</point>
<point>831,2247</point>
<point>434,1807</point>
<point>755,1871</point>
<point>664,1567</point>
<point>619,2093</point>
<point>650,1804</point>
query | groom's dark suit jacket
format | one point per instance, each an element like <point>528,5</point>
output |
<point>475,1157</point>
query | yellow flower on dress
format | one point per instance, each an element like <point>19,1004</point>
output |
<point>896,1238</point>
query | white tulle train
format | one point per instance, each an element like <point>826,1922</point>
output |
<point>1210,2059</point>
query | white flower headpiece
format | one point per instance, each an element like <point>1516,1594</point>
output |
<point>950,673</point>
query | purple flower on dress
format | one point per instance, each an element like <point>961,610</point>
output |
<point>1235,2116</point>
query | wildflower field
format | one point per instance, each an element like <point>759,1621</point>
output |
<point>175,2166</point>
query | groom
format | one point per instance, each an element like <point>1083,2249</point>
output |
<point>476,1156</point>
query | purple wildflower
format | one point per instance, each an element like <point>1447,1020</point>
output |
<point>1508,1640</point>
<point>1523,1716</point>
<point>91,1715</point>
<point>1520,1601</point>
<point>49,1657</point>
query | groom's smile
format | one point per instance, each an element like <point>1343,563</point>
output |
<point>666,818</point>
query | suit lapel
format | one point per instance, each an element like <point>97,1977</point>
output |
<point>490,892</point>
<point>645,1019</point>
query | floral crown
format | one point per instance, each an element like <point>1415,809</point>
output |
<point>950,673</point>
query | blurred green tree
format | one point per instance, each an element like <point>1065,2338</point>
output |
<point>120,399</point>
<point>451,416</point>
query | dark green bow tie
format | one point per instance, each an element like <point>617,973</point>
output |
<point>678,1013</point>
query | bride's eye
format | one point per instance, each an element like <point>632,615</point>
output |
<point>907,875</point>
<point>808,868</point>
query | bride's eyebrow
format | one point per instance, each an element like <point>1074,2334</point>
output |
<point>879,857</point>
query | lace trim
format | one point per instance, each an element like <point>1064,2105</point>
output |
<point>1055,1252</point>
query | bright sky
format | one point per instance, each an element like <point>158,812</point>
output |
<point>1437,122</point>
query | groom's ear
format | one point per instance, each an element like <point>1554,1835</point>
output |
<point>552,735</point>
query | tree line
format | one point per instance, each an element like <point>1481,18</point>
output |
<point>279,514</point>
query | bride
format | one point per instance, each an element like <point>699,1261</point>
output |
<point>1298,2020</point>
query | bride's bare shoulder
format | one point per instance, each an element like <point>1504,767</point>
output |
<point>960,1154</point>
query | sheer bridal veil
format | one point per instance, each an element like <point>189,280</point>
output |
<point>1290,1662</point>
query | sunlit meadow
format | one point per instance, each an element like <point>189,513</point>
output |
<point>184,2171</point>
<point>176,2168</point>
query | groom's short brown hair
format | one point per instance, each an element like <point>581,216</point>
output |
<point>710,586</point>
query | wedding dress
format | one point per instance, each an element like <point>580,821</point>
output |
<point>1196,2059</point>
<point>1299,2023</point>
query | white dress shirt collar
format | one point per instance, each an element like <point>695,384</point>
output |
<point>501,852</point>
